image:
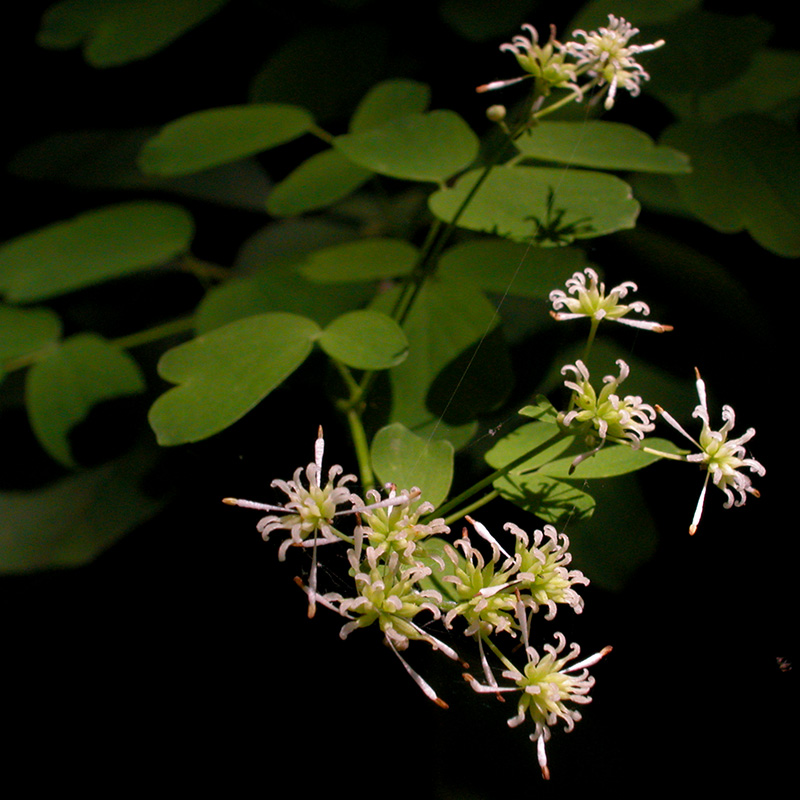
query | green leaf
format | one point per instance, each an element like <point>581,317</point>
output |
<point>270,259</point>
<point>416,147</point>
<point>407,460</point>
<point>532,437</point>
<point>70,522</point>
<point>542,410</point>
<point>107,159</point>
<point>746,176</point>
<point>225,373</point>
<point>447,319</point>
<point>318,182</point>
<point>771,82</point>
<point>93,247</point>
<point>62,388</point>
<point>611,461</point>
<point>216,136</point>
<point>504,267</point>
<point>365,340</point>
<point>704,51</point>
<point>389,100</point>
<point>115,32</point>
<point>603,145</point>
<point>549,499</point>
<point>26,330</point>
<point>548,206</point>
<point>363,260</point>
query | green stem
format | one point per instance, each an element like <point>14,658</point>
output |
<point>155,333</point>
<point>494,648</point>
<point>462,512</point>
<point>670,456</point>
<point>361,446</point>
<point>590,341</point>
<point>448,507</point>
<point>123,343</point>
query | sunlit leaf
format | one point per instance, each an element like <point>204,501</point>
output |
<point>746,175</point>
<point>365,340</point>
<point>70,522</point>
<point>505,267</point>
<point>407,460</point>
<point>544,440</point>
<point>363,260</point>
<point>542,410</point>
<point>416,147</point>
<point>610,461</point>
<point>389,100</point>
<point>546,206</point>
<point>549,499</point>
<point>603,145</point>
<point>225,373</point>
<point>268,264</point>
<point>93,247</point>
<point>62,388</point>
<point>447,319</point>
<point>115,32</point>
<point>26,330</point>
<point>318,182</point>
<point>216,136</point>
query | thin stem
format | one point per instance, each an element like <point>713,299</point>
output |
<point>590,341</point>
<point>361,446</point>
<point>155,333</point>
<point>670,456</point>
<point>462,512</point>
<point>448,507</point>
<point>493,647</point>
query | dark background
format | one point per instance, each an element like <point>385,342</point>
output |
<point>183,654</point>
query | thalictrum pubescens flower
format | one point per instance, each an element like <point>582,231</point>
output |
<point>549,688</point>
<point>608,58</point>
<point>723,459</point>
<point>591,301</point>
<point>605,416</point>
<point>309,512</point>
<point>545,63</point>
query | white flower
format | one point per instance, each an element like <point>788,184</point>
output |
<point>720,457</point>
<point>609,59</point>
<point>547,686</point>
<point>545,63</point>
<point>592,301</point>
<point>388,594</point>
<point>624,420</point>
<point>309,512</point>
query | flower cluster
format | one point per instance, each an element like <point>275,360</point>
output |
<point>609,59</point>
<point>605,416</point>
<point>720,457</point>
<point>546,685</point>
<point>591,301</point>
<point>605,57</point>
<point>394,569</point>
<point>545,63</point>
<point>536,575</point>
